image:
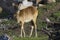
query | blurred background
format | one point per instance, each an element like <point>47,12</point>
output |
<point>47,9</point>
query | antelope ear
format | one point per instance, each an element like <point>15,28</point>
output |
<point>19,2</point>
<point>15,4</point>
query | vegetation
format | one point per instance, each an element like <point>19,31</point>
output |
<point>32,38</point>
<point>55,17</point>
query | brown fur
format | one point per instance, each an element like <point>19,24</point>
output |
<point>30,12</point>
<point>27,15</point>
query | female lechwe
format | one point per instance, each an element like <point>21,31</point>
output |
<point>26,15</point>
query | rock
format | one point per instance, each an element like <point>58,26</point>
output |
<point>4,37</point>
<point>2,20</point>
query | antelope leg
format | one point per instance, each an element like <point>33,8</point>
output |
<point>31,31</point>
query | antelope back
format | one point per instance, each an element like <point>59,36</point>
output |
<point>27,14</point>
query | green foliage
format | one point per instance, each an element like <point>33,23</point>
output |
<point>32,38</point>
<point>56,17</point>
<point>58,0</point>
<point>40,23</point>
<point>51,6</point>
<point>57,14</point>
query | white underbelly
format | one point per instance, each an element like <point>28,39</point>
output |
<point>28,20</point>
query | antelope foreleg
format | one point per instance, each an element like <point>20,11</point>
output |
<point>22,30</point>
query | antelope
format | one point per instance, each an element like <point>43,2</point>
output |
<point>26,15</point>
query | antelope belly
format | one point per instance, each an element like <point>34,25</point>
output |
<point>28,20</point>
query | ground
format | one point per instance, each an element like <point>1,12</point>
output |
<point>14,32</point>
